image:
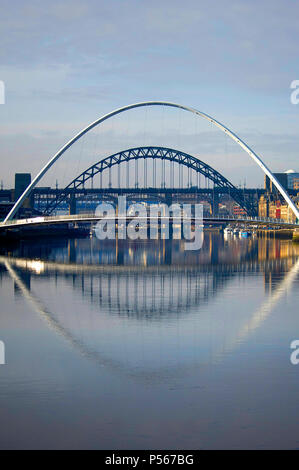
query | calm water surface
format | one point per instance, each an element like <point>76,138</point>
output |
<point>143,345</point>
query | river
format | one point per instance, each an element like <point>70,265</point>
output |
<point>142,345</point>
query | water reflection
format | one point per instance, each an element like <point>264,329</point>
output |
<point>216,249</point>
<point>143,345</point>
<point>156,284</point>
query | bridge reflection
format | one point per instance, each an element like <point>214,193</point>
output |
<point>150,278</point>
<point>94,252</point>
<point>89,302</point>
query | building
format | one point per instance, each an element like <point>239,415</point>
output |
<point>5,207</point>
<point>293,177</point>
<point>238,210</point>
<point>289,180</point>
<point>276,208</point>
<point>296,183</point>
<point>282,178</point>
<point>263,206</point>
<point>22,180</point>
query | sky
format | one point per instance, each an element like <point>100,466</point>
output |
<point>65,63</point>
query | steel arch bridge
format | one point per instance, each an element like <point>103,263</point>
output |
<point>196,112</point>
<point>162,153</point>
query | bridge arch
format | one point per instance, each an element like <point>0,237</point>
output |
<point>163,153</point>
<point>223,128</point>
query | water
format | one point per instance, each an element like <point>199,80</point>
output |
<point>143,345</point>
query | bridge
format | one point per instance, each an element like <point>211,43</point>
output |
<point>44,197</point>
<point>93,218</point>
<point>221,184</point>
<point>195,166</point>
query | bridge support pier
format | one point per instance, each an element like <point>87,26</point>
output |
<point>215,203</point>
<point>72,205</point>
<point>168,201</point>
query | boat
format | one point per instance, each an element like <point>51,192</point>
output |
<point>245,233</point>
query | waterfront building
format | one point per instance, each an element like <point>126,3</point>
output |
<point>274,207</point>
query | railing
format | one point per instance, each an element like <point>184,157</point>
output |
<point>265,220</point>
<point>93,216</point>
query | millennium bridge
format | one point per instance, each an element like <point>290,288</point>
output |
<point>89,218</point>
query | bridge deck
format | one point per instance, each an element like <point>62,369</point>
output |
<point>63,219</point>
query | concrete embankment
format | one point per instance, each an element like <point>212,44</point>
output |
<point>296,235</point>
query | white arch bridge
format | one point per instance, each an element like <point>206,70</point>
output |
<point>223,128</point>
<point>262,222</point>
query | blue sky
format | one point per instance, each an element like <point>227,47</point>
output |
<point>65,63</point>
